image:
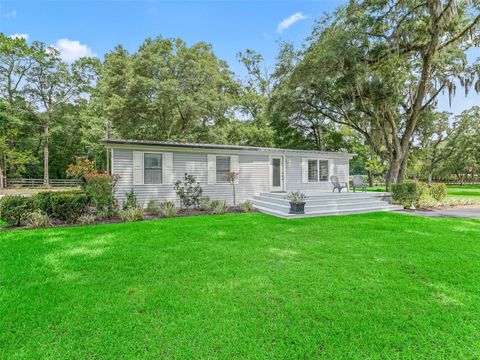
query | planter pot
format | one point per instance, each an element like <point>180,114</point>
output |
<point>297,208</point>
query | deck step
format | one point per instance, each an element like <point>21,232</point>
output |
<point>320,201</point>
<point>346,211</point>
<point>323,204</point>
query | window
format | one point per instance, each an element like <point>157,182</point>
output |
<point>323,166</point>
<point>223,167</point>
<point>152,167</point>
<point>317,170</point>
<point>312,170</point>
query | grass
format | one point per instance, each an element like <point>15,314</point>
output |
<point>243,286</point>
<point>467,191</point>
<point>470,191</point>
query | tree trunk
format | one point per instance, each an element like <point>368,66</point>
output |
<point>393,173</point>
<point>402,174</point>
<point>430,176</point>
<point>234,199</point>
<point>1,176</point>
<point>45,154</point>
<point>370,178</point>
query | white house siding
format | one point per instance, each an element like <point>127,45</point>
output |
<point>253,178</point>
<point>293,173</point>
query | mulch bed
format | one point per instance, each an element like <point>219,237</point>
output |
<point>116,219</point>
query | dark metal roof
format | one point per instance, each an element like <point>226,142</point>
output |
<point>215,146</point>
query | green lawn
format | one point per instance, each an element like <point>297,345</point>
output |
<point>244,286</point>
<point>463,191</point>
<point>467,191</point>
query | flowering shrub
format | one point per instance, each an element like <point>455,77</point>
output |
<point>81,167</point>
<point>189,192</point>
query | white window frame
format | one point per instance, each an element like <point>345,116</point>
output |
<point>216,170</point>
<point>163,166</point>
<point>318,170</point>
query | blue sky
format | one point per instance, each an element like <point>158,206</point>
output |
<point>94,27</point>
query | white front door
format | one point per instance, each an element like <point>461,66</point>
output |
<point>276,173</point>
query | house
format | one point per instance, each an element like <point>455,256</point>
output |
<point>150,168</point>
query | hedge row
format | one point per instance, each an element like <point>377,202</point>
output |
<point>64,206</point>
<point>417,193</point>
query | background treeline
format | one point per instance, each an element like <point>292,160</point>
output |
<point>366,80</point>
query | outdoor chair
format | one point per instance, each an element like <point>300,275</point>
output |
<point>358,183</point>
<point>337,184</point>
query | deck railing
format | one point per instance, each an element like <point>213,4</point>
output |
<point>37,183</point>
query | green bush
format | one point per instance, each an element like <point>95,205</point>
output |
<point>16,210</point>
<point>218,206</point>
<point>168,209</point>
<point>65,206</point>
<point>153,207</point>
<point>247,206</point>
<point>409,193</point>
<point>204,203</point>
<point>132,214</point>
<point>100,189</point>
<point>86,219</point>
<point>189,191</point>
<point>438,191</point>
<point>38,218</point>
<point>130,200</point>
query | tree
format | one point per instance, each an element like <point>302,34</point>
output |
<point>53,84</point>
<point>232,177</point>
<point>433,134</point>
<point>167,90</point>
<point>463,147</point>
<point>16,59</point>
<point>376,66</point>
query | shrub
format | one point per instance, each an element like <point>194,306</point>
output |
<point>15,210</point>
<point>130,200</point>
<point>296,197</point>
<point>65,206</point>
<point>189,192</point>
<point>247,206</point>
<point>37,218</point>
<point>100,189</point>
<point>204,203</point>
<point>168,209</point>
<point>218,206</point>
<point>438,191</point>
<point>81,167</point>
<point>86,219</point>
<point>409,193</point>
<point>153,207</point>
<point>132,214</point>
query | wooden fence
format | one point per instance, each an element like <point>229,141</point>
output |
<point>37,183</point>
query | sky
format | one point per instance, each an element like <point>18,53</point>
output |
<point>94,27</point>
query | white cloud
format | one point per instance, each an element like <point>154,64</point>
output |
<point>71,50</point>
<point>289,21</point>
<point>11,14</point>
<point>19,36</point>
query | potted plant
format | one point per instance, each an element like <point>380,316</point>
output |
<point>297,202</point>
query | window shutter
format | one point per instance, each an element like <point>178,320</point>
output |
<point>168,168</point>
<point>304,171</point>
<point>235,166</point>
<point>211,169</point>
<point>137,168</point>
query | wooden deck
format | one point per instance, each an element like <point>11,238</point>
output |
<point>325,204</point>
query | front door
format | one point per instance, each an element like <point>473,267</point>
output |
<point>276,169</point>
